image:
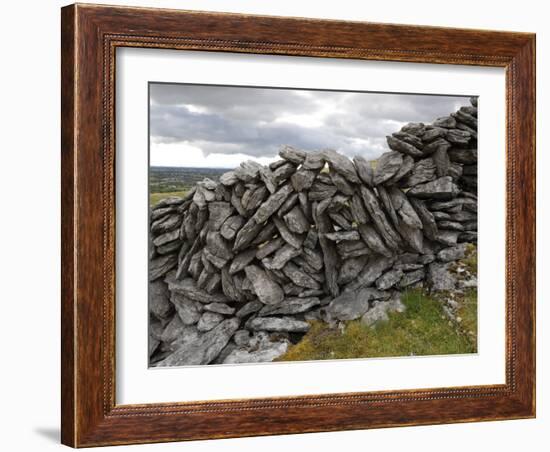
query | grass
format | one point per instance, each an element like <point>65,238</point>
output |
<point>467,302</point>
<point>423,329</point>
<point>156,197</point>
<point>467,312</point>
<point>470,259</point>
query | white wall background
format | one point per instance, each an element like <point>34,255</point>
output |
<point>29,225</point>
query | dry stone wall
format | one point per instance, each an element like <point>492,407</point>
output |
<point>239,266</point>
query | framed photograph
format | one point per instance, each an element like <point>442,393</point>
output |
<point>282,225</point>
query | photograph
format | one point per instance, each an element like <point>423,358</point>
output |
<point>299,224</point>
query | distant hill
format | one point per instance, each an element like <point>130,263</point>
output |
<point>164,179</point>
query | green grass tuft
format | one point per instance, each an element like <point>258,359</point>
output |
<point>423,329</point>
<point>467,312</point>
<point>470,259</point>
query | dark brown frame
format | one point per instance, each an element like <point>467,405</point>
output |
<point>90,35</point>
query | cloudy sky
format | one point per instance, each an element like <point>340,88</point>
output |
<point>219,126</point>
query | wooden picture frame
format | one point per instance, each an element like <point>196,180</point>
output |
<point>90,36</point>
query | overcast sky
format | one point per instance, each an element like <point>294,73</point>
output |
<point>218,126</point>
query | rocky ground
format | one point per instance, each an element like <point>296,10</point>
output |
<point>241,268</point>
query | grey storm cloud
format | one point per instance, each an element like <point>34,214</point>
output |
<point>258,121</point>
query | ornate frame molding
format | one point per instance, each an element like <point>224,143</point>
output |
<point>90,37</point>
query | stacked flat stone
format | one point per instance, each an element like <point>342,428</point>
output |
<point>239,266</point>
